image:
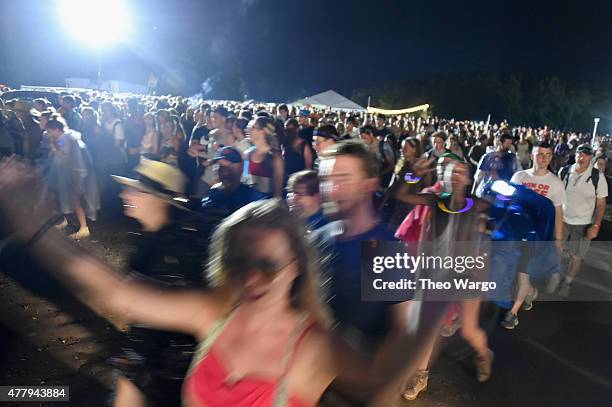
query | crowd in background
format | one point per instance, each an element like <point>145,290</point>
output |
<point>231,154</point>
<point>118,130</point>
<point>274,141</point>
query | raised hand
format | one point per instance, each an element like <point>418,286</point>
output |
<point>423,167</point>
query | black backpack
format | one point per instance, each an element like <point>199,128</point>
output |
<point>564,175</point>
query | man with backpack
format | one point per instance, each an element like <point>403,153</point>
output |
<point>385,156</point>
<point>586,192</point>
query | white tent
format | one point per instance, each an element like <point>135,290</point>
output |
<point>331,99</point>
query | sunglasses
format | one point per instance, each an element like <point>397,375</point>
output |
<point>268,267</point>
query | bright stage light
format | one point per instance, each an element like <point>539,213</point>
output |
<point>96,23</point>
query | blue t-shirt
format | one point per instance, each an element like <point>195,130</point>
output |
<point>316,221</point>
<point>343,268</point>
<point>219,199</point>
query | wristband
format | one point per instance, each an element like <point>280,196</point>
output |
<point>43,229</point>
<point>596,225</point>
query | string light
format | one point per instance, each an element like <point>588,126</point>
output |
<point>398,112</point>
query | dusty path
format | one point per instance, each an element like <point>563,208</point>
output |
<point>50,338</point>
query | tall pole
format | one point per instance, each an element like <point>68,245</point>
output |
<point>596,122</point>
<point>488,122</point>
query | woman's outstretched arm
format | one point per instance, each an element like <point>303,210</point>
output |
<point>90,279</point>
<point>191,311</point>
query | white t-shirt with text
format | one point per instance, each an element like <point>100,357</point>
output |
<point>548,185</point>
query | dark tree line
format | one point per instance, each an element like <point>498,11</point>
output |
<point>521,99</point>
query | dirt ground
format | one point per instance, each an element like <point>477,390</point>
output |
<point>49,338</point>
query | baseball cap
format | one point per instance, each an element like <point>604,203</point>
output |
<point>327,131</point>
<point>585,148</point>
<point>228,153</point>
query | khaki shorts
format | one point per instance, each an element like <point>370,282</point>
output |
<point>575,239</point>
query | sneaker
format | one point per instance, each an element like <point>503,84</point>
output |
<point>418,384</point>
<point>449,330</point>
<point>484,366</point>
<point>510,321</point>
<point>531,297</point>
<point>83,233</point>
<point>553,283</point>
<point>564,290</point>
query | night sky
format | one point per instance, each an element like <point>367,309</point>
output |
<point>292,48</point>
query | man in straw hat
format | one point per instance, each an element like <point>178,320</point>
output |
<point>169,249</point>
<point>164,183</point>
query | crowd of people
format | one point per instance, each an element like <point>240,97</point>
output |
<point>277,201</point>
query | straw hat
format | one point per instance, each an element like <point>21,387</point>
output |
<point>159,179</point>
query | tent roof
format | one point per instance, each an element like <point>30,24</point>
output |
<point>329,98</point>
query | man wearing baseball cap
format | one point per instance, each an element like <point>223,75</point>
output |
<point>586,191</point>
<point>230,193</point>
<point>324,137</point>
